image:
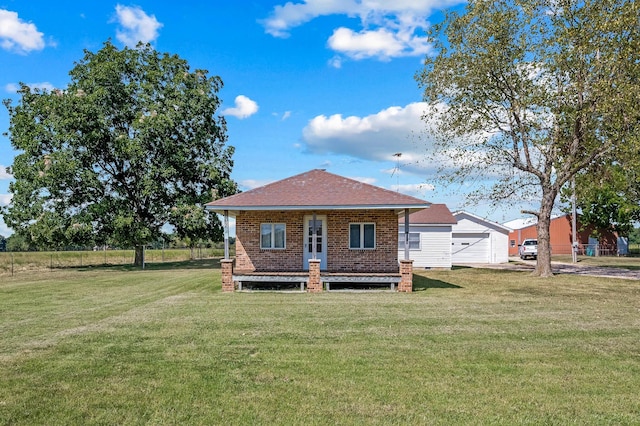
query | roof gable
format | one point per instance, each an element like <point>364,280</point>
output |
<point>437,214</point>
<point>460,214</point>
<point>316,189</point>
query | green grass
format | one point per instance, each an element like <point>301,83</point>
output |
<point>166,346</point>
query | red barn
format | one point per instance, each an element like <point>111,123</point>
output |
<point>560,232</point>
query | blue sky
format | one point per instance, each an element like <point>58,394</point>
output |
<point>307,83</point>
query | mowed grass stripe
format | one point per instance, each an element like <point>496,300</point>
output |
<point>469,346</point>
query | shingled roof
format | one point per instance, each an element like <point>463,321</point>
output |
<point>437,214</point>
<point>317,189</point>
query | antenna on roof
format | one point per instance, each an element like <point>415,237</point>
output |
<point>396,170</point>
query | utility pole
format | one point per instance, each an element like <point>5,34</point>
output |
<point>574,239</point>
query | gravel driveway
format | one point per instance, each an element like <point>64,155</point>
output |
<point>517,264</point>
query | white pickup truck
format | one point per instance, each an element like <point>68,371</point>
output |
<point>529,248</point>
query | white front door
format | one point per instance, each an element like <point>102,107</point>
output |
<point>321,241</point>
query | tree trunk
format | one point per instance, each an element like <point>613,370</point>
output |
<point>139,259</point>
<point>192,249</point>
<point>543,264</point>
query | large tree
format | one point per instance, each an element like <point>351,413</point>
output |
<point>104,160</point>
<point>531,92</point>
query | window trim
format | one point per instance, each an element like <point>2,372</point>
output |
<point>361,242</point>
<point>272,236</point>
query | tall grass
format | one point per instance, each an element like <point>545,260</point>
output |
<point>166,346</point>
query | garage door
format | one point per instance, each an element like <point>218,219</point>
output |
<point>470,248</point>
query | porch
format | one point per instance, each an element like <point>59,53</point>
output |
<point>314,280</point>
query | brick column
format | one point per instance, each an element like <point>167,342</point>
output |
<point>314,285</point>
<point>227,275</point>
<point>406,271</point>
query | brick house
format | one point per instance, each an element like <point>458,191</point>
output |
<point>316,228</point>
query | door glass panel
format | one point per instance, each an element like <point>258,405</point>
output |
<point>318,237</point>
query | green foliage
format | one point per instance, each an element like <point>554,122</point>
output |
<point>193,224</point>
<point>532,92</point>
<point>606,199</point>
<point>19,242</point>
<point>608,193</point>
<point>104,160</point>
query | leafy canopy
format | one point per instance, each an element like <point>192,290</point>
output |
<point>530,92</point>
<point>134,134</point>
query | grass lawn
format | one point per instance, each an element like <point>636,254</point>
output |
<point>166,346</point>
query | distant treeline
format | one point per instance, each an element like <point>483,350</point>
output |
<point>20,243</point>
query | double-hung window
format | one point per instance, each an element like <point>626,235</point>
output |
<point>414,240</point>
<point>362,236</point>
<point>273,235</point>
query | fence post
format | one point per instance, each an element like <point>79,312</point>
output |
<point>51,263</point>
<point>11,264</point>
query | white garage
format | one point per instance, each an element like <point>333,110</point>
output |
<point>477,240</point>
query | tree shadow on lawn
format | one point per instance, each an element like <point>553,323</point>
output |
<point>421,283</point>
<point>156,266</point>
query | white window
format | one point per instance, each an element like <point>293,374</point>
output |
<point>414,240</point>
<point>273,235</point>
<point>362,236</point>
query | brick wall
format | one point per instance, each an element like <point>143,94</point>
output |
<point>340,258</point>
<point>249,255</point>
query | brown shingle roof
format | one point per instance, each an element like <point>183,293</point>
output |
<point>437,214</point>
<point>317,189</point>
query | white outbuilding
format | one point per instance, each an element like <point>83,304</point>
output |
<point>429,237</point>
<point>478,240</point>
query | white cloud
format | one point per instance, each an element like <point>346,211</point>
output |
<point>381,43</point>
<point>389,28</point>
<point>415,189</point>
<point>5,231</point>
<point>375,137</point>
<point>244,108</point>
<point>253,183</point>
<point>5,199</point>
<point>286,115</point>
<point>364,179</point>
<point>17,35</point>
<point>45,85</point>
<point>335,62</point>
<point>3,173</point>
<point>136,25</point>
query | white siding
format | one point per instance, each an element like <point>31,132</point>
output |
<point>499,247</point>
<point>435,247</point>
<point>470,247</point>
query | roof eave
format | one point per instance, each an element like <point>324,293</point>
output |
<point>398,208</point>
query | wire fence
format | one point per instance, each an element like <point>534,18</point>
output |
<point>596,249</point>
<point>12,263</point>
